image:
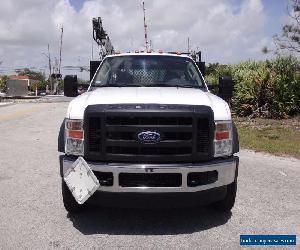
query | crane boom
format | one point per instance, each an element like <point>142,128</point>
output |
<point>101,38</point>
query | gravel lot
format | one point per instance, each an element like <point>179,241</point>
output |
<point>32,215</point>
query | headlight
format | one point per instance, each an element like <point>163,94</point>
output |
<point>74,137</point>
<point>223,138</point>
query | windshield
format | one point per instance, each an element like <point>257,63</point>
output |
<point>148,71</point>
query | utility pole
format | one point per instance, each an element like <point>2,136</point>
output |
<point>50,70</point>
<point>60,49</point>
<point>145,27</point>
<point>188,45</point>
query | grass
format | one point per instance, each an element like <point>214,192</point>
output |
<point>279,137</point>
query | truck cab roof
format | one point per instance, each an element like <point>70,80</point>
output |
<point>150,54</point>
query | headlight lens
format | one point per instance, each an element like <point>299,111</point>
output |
<point>223,138</point>
<point>74,137</point>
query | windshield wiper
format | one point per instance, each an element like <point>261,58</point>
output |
<point>158,85</point>
<point>187,86</point>
<point>173,85</point>
<point>118,85</point>
<point>150,85</point>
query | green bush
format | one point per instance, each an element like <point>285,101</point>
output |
<point>3,80</point>
<point>250,90</point>
<point>285,79</point>
<point>41,86</point>
<point>214,70</point>
<point>269,88</point>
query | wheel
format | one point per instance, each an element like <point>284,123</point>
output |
<point>69,201</point>
<point>227,203</point>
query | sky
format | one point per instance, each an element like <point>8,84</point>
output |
<point>226,31</point>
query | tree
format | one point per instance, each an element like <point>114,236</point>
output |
<point>40,84</point>
<point>3,80</point>
<point>33,74</point>
<point>289,40</point>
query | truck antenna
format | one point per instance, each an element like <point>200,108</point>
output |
<point>145,27</point>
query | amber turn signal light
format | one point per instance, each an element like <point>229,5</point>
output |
<point>75,134</point>
<point>223,135</point>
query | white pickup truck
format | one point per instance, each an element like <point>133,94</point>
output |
<point>152,133</point>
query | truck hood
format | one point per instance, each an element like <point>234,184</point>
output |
<point>153,95</point>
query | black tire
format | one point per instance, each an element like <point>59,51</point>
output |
<point>69,201</point>
<point>227,203</point>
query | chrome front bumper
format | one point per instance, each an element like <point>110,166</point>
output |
<point>226,168</point>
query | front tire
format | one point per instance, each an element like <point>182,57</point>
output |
<point>227,203</point>
<point>69,201</point>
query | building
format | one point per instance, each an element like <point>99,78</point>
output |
<point>29,79</point>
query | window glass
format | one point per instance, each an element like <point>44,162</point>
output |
<point>148,71</point>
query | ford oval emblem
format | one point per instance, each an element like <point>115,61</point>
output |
<point>149,137</point>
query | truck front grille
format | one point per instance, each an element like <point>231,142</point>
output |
<point>94,135</point>
<point>203,140</point>
<point>112,136</point>
<point>176,136</point>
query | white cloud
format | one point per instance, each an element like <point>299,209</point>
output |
<point>225,33</point>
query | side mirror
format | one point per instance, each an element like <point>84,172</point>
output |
<point>70,86</point>
<point>226,87</point>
